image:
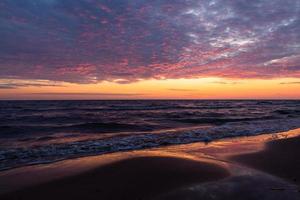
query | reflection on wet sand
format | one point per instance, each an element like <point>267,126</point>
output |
<point>192,171</point>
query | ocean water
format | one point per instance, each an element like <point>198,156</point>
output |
<point>46,131</point>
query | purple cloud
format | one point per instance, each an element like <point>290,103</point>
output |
<point>88,41</point>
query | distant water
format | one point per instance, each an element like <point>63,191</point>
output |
<point>46,131</point>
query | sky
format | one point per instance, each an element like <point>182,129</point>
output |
<point>141,49</point>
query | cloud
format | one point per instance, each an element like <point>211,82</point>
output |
<point>7,86</point>
<point>87,94</point>
<point>89,41</point>
<point>182,90</point>
<point>289,83</point>
<point>226,83</point>
<point>14,84</point>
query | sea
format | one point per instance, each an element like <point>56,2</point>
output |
<point>33,132</point>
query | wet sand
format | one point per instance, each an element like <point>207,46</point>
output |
<point>249,168</point>
<point>135,178</point>
<point>280,158</point>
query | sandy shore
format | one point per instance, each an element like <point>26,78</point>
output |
<point>141,178</point>
<point>260,167</point>
<point>280,157</point>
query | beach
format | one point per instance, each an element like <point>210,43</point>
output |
<point>149,100</point>
<point>280,157</point>
<point>254,167</point>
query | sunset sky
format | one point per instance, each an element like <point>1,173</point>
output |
<point>142,49</point>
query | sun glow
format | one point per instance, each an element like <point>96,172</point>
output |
<point>203,88</point>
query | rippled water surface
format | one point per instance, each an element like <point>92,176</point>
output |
<point>45,131</point>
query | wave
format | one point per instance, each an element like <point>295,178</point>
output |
<point>70,124</point>
<point>287,112</point>
<point>14,157</point>
<point>89,127</point>
<point>218,121</point>
<point>125,125</point>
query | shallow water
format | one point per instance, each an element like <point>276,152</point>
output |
<point>45,131</point>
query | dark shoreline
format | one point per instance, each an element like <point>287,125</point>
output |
<point>237,168</point>
<point>136,178</point>
<point>280,158</point>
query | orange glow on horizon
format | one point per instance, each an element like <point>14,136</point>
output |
<point>204,88</point>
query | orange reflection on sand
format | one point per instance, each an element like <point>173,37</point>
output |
<point>223,148</point>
